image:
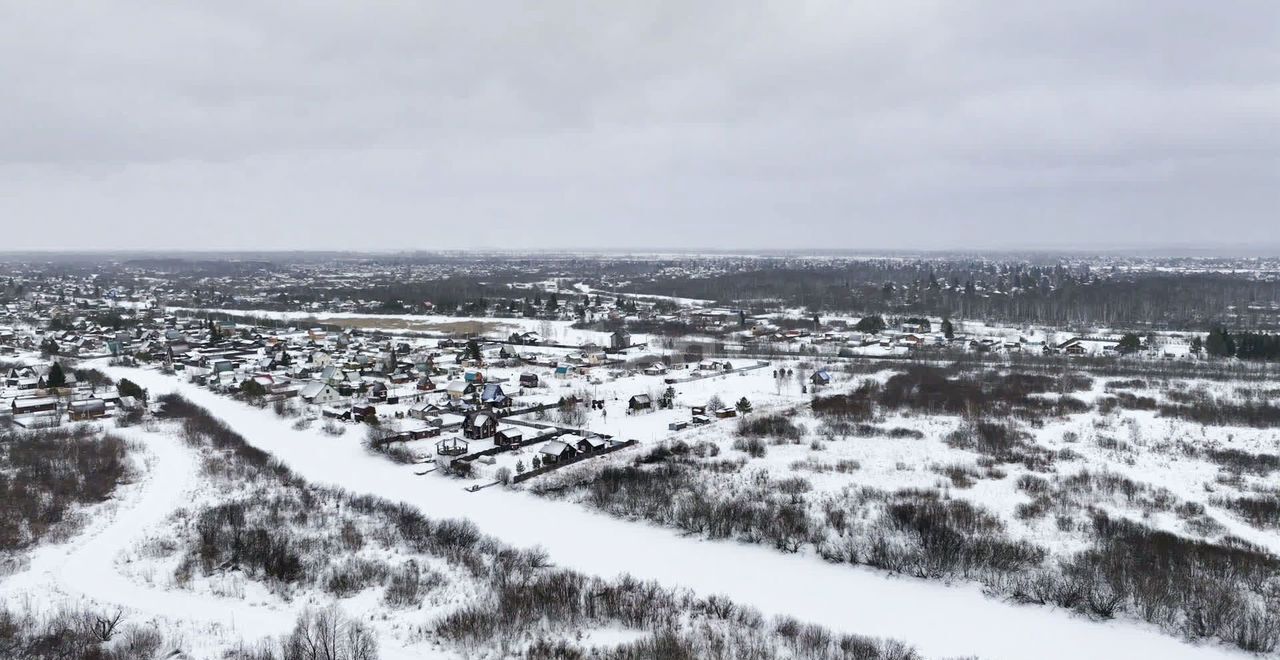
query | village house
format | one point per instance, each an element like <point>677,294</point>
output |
<point>589,444</point>
<point>318,393</point>
<point>459,389</point>
<point>619,340</point>
<point>556,451</point>
<point>85,409</point>
<point>479,424</point>
<point>493,395</point>
<point>425,411</point>
<point>34,405</point>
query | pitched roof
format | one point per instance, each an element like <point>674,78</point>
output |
<point>554,448</point>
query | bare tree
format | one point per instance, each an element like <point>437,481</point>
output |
<point>102,627</point>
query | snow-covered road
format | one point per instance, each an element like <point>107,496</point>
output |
<point>940,621</point>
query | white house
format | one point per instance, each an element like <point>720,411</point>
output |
<point>317,392</point>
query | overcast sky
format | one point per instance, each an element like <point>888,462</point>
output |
<point>843,124</point>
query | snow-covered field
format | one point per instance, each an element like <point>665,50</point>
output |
<point>939,620</point>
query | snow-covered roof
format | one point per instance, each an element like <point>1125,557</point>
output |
<point>554,447</point>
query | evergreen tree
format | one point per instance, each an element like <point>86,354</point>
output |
<point>252,388</point>
<point>668,397</point>
<point>127,387</point>
<point>1130,343</point>
<point>871,324</point>
<point>1219,343</point>
<point>948,330</point>
<point>55,377</point>
<point>743,406</point>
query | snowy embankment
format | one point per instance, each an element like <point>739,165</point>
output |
<point>940,621</point>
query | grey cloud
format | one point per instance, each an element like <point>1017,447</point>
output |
<point>274,124</point>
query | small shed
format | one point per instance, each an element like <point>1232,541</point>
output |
<point>364,413</point>
<point>508,436</point>
<point>640,403</point>
<point>655,369</point>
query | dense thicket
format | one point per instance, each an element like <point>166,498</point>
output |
<point>958,391</point>
<point>44,473</point>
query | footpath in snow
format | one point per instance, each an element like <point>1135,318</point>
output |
<point>84,567</point>
<point>83,570</point>
<point>938,620</point>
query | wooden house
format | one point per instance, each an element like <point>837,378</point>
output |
<point>479,424</point>
<point>556,451</point>
<point>84,409</point>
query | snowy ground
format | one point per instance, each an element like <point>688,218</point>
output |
<point>941,621</point>
<point>84,570</point>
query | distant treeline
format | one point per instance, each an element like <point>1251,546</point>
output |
<point>1011,292</point>
<point>1244,345</point>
